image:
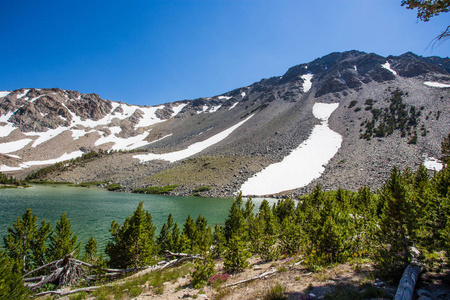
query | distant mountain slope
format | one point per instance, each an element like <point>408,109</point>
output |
<point>390,111</point>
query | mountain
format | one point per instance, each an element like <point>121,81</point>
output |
<point>342,120</point>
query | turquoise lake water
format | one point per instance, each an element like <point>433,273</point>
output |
<point>91,210</point>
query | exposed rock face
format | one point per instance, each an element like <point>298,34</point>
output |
<point>281,119</point>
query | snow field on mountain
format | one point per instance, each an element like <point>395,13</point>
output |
<point>4,93</point>
<point>14,146</point>
<point>432,163</point>
<point>302,165</point>
<point>192,149</point>
<point>387,66</point>
<point>436,84</point>
<point>65,156</point>
<point>307,82</point>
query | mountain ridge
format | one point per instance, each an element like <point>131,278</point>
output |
<point>282,119</point>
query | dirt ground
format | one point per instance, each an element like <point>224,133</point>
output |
<point>297,282</point>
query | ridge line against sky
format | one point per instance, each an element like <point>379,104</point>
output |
<point>153,52</point>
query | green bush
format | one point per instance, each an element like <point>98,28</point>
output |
<point>155,189</point>
<point>114,187</point>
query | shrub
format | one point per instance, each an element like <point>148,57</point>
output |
<point>275,292</point>
<point>155,189</point>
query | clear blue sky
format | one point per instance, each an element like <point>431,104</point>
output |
<point>156,51</point>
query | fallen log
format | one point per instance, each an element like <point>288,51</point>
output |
<point>405,290</point>
<point>263,275</point>
<point>61,293</point>
<point>409,278</point>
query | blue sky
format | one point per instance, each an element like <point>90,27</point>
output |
<point>157,51</point>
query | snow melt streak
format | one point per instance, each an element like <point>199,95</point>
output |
<point>304,164</point>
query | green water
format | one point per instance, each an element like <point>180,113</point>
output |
<point>92,210</point>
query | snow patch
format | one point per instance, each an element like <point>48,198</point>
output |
<point>65,156</point>
<point>23,94</point>
<point>432,163</point>
<point>387,66</point>
<point>4,94</point>
<point>233,106</point>
<point>124,143</point>
<point>177,109</point>
<point>214,108</point>
<point>307,82</point>
<point>192,149</point>
<point>14,146</point>
<point>243,94</point>
<point>45,136</point>
<point>436,84</point>
<point>224,97</point>
<point>356,69</point>
<point>303,164</point>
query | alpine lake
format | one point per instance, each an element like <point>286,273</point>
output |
<point>91,210</point>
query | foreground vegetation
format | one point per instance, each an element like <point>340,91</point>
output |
<point>410,211</point>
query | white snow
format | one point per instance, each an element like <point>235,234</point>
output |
<point>27,164</point>
<point>307,82</point>
<point>192,149</point>
<point>4,94</point>
<point>302,165</point>
<point>224,97</point>
<point>6,130</point>
<point>14,146</point>
<point>243,94</point>
<point>356,69</point>
<point>436,84</point>
<point>387,66</point>
<point>9,127</point>
<point>432,163</point>
<point>13,156</point>
<point>45,136</point>
<point>123,143</point>
<point>23,94</point>
<point>214,108</point>
<point>177,109</point>
<point>233,106</point>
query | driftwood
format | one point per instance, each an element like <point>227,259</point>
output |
<point>409,278</point>
<point>263,275</point>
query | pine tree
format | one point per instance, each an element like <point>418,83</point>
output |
<point>204,269</point>
<point>235,222</point>
<point>11,282</point>
<point>236,255</point>
<point>397,227</point>
<point>188,234</point>
<point>132,245</point>
<point>63,241</point>
<point>202,236</point>
<point>26,243</point>
<point>290,236</point>
<point>218,242</point>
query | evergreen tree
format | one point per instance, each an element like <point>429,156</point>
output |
<point>218,242</point>
<point>397,227</point>
<point>290,236</point>
<point>188,234</point>
<point>204,269</point>
<point>63,241</point>
<point>235,222</point>
<point>236,255</point>
<point>11,282</point>
<point>132,245</point>
<point>90,251</point>
<point>202,236</point>
<point>445,146</point>
<point>26,243</point>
